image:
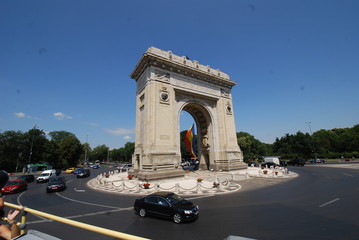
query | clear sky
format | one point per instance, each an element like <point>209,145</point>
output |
<point>66,65</point>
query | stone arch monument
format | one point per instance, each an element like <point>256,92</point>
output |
<point>166,84</point>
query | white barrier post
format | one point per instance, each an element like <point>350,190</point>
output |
<point>199,190</point>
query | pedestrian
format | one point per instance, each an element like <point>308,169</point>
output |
<point>7,232</point>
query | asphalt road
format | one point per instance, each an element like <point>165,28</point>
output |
<point>322,203</point>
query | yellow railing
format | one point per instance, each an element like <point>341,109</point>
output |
<point>88,227</point>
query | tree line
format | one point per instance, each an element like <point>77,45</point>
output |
<point>60,149</point>
<point>63,149</point>
<point>331,144</point>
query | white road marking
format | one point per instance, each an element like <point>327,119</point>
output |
<point>93,204</point>
<point>330,202</point>
<point>84,215</point>
<point>191,198</point>
<point>346,174</point>
<point>19,203</point>
<point>80,190</point>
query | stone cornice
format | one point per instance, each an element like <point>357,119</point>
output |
<point>168,61</point>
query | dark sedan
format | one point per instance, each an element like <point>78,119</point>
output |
<point>56,183</point>
<point>28,178</point>
<point>268,165</point>
<point>167,205</point>
<point>296,162</point>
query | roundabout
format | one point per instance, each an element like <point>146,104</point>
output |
<point>192,184</point>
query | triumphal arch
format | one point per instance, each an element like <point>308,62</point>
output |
<point>167,84</point>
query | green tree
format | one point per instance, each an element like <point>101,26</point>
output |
<point>123,154</point>
<point>12,150</point>
<point>299,145</point>
<point>58,136</point>
<point>251,147</point>
<point>100,153</point>
<point>70,150</point>
<point>35,140</point>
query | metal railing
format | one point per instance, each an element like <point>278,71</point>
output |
<point>85,226</point>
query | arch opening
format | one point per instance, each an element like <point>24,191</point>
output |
<point>195,113</point>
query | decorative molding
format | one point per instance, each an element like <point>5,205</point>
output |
<point>162,76</point>
<point>166,60</point>
<point>229,109</point>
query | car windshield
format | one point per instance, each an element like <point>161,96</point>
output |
<point>174,198</point>
<point>45,174</point>
<point>11,183</point>
<point>55,180</point>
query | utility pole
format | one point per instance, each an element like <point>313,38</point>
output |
<point>310,131</point>
<point>108,155</point>
<point>32,143</point>
<point>86,150</point>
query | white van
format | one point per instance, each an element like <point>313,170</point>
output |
<point>45,175</point>
<point>272,160</point>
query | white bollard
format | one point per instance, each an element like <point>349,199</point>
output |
<point>122,187</point>
<point>199,189</point>
<point>138,189</point>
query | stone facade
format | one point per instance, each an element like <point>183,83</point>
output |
<point>166,85</point>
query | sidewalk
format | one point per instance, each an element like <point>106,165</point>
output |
<point>190,185</point>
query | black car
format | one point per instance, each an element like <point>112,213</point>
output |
<point>58,172</point>
<point>81,173</point>
<point>296,162</point>
<point>318,160</point>
<point>167,205</point>
<point>28,178</point>
<point>283,163</point>
<point>268,165</point>
<point>252,164</point>
<point>56,183</point>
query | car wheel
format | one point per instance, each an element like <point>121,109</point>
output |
<point>177,218</point>
<point>142,212</point>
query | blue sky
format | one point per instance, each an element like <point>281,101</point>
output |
<point>65,65</point>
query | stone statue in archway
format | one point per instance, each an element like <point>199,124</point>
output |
<point>205,143</point>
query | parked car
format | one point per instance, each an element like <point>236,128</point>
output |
<point>167,205</point>
<point>70,170</point>
<point>28,178</point>
<point>124,167</point>
<point>268,165</point>
<point>83,173</point>
<point>296,162</point>
<point>56,183</point>
<point>14,186</point>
